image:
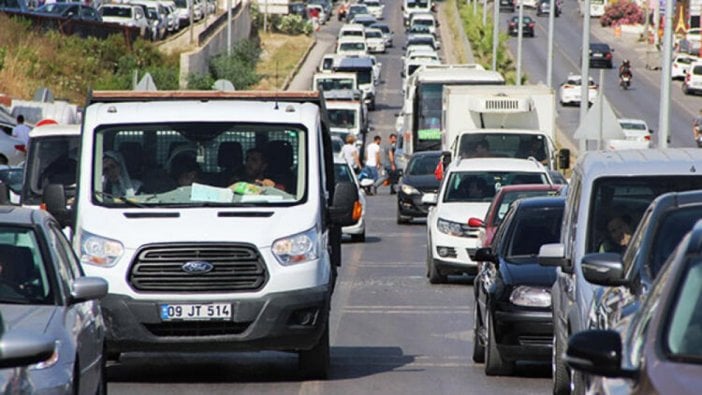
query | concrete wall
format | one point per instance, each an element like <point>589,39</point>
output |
<point>197,61</point>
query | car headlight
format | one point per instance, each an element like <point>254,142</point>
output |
<point>409,190</point>
<point>99,251</point>
<point>49,362</point>
<point>452,228</point>
<point>299,248</point>
<point>530,296</point>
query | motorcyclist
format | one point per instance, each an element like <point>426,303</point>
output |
<point>625,69</point>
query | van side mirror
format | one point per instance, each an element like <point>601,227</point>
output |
<point>54,199</point>
<point>345,196</point>
<point>564,158</point>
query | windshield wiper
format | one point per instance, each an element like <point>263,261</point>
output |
<point>117,199</point>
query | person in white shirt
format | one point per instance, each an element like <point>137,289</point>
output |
<point>373,158</point>
<point>350,153</point>
<point>21,131</point>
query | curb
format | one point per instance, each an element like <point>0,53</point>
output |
<point>299,64</point>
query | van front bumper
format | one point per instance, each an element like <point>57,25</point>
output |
<point>278,321</point>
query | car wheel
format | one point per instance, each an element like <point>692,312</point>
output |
<point>478,347</point>
<point>314,363</point>
<point>561,378</point>
<point>360,238</point>
<point>435,276</point>
<point>685,90</point>
<point>495,365</point>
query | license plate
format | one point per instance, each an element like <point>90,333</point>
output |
<point>597,55</point>
<point>196,312</point>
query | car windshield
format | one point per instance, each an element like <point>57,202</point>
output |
<point>511,196</point>
<point>343,173</point>
<point>683,337</point>
<point>510,145</point>
<point>328,84</point>
<point>423,165</point>
<point>633,125</point>
<point>533,227</point>
<point>198,164</point>
<point>374,34</point>
<point>341,118</point>
<point>463,186</point>
<point>384,28</point>
<point>52,160</point>
<point>353,46</point>
<point>352,33</point>
<point>628,198</point>
<point>24,278</point>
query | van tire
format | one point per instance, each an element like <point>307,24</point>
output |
<point>495,365</point>
<point>561,378</point>
<point>315,362</point>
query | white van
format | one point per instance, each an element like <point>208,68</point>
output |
<point>604,185</point>
<point>201,254</point>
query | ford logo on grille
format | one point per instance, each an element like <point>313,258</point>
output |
<point>197,267</point>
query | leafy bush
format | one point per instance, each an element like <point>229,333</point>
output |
<point>239,68</point>
<point>294,25</point>
<point>622,13</point>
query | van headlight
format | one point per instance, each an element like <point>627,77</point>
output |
<point>299,248</point>
<point>452,228</point>
<point>530,296</point>
<point>99,251</point>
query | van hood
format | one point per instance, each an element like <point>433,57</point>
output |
<point>462,211</point>
<point>259,226</point>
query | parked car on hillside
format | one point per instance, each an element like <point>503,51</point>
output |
<point>512,292</point>
<point>157,17</point>
<point>126,15</point>
<point>73,10</point>
<point>45,291</point>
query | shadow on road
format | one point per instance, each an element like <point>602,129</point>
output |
<point>346,362</point>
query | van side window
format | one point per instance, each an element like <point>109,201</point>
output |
<point>571,213</point>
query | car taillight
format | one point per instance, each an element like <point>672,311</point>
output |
<point>647,138</point>
<point>608,56</point>
<point>531,24</point>
<point>21,148</point>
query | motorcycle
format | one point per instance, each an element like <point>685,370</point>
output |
<point>625,80</point>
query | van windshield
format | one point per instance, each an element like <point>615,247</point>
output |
<point>627,198</point>
<point>342,118</point>
<point>328,84</point>
<point>510,145</point>
<point>198,164</point>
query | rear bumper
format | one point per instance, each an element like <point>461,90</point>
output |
<point>272,322</point>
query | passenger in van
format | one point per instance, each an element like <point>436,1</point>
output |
<point>477,149</point>
<point>618,234</point>
<point>185,170</point>
<point>533,147</point>
<point>116,180</point>
<point>255,167</point>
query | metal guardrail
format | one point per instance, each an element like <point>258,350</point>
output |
<point>214,27</point>
<point>83,29</point>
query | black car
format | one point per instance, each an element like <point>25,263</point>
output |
<point>513,318</point>
<point>528,26</point>
<point>545,5</point>
<point>69,10</point>
<point>507,5</point>
<point>417,179</point>
<point>600,55</point>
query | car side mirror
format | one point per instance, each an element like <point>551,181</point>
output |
<point>485,255</point>
<point>553,255</point>
<point>603,269</point>
<point>19,348</point>
<point>88,288</point>
<point>345,196</point>
<point>564,158</point>
<point>476,223</point>
<point>54,198</point>
<point>598,352</point>
<point>429,199</point>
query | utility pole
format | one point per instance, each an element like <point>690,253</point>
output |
<point>585,72</point>
<point>495,34</point>
<point>664,109</point>
<point>484,12</point>
<point>520,32</point>
<point>229,28</point>
<point>549,56</point>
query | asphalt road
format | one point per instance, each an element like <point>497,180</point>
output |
<point>391,331</point>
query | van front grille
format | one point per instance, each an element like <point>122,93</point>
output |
<point>198,268</point>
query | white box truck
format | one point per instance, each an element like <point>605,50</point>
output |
<point>515,121</point>
<point>200,253</point>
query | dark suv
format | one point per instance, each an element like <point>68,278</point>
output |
<point>507,5</point>
<point>545,5</point>
<point>628,278</point>
<point>600,55</point>
<point>513,318</point>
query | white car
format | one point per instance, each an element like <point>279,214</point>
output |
<point>387,33</point>
<point>352,46</point>
<point>466,192</point>
<point>423,39</point>
<point>326,65</point>
<point>352,30</point>
<point>569,91</point>
<point>527,3</point>
<point>693,79</point>
<point>425,19</point>
<point>681,65</point>
<point>412,65</point>
<point>637,133</point>
<point>375,40</point>
<point>375,8</point>
<point>344,173</point>
<point>126,15</point>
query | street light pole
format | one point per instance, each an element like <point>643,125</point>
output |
<point>520,31</point>
<point>495,34</point>
<point>229,27</point>
<point>664,109</point>
<point>549,56</point>
<point>484,12</point>
<point>585,72</point>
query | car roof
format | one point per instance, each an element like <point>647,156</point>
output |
<point>426,153</point>
<point>540,201</point>
<point>529,187</point>
<point>498,164</point>
<point>599,45</point>
<point>354,62</point>
<point>640,162</point>
<point>352,26</point>
<point>15,215</point>
<point>55,130</point>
